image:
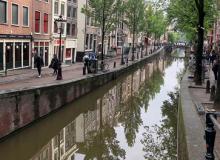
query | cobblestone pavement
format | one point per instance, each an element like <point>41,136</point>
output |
<point>27,78</point>
<point>201,97</point>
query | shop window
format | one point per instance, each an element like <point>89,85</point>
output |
<point>45,23</point>
<point>25,16</point>
<point>17,55</point>
<point>46,55</point>
<point>3,9</point>
<point>1,56</point>
<point>26,47</point>
<point>37,22</point>
<point>9,55</point>
<point>15,14</point>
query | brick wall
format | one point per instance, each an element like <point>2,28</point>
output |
<point>42,7</point>
<point>8,28</point>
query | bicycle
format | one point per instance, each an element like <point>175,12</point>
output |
<point>104,66</point>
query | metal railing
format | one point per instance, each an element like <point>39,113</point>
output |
<point>210,133</point>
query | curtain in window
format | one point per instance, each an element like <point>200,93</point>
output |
<point>45,23</point>
<point>37,22</point>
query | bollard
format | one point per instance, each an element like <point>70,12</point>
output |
<point>84,70</point>
<point>210,137</point>
<point>212,94</point>
<point>114,64</point>
<point>208,86</point>
<point>127,61</point>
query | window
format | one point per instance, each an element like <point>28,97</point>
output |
<point>37,22</point>
<point>62,9</point>
<point>45,23</point>
<point>73,29</point>
<point>25,16</point>
<point>68,29</point>
<point>74,12</point>
<point>3,9</point>
<point>56,7</point>
<point>55,28</point>
<point>69,11</point>
<point>14,14</point>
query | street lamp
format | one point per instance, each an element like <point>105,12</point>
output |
<point>60,21</point>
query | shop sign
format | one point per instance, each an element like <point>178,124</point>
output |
<point>57,42</point>
<point>13,36</point>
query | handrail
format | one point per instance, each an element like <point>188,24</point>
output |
<point>215,121</point>
<point>210,132</point>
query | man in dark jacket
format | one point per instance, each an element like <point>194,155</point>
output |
<point>215,69</point>
<point>38,63</point>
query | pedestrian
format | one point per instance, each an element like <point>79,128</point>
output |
<point>86,62</point>
<point>54,64</point>
<point>212,56</point>
<point>215,69</point>
<point>38,63</point>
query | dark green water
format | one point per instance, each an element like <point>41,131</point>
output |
<point>131,118</point>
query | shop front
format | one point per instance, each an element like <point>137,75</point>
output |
<point>70,56</point>
<point>56,46</point>
<point>42,48</point>
<point>15,51</point>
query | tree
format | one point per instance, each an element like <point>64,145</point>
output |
<point>193,17</point>
<point>104,13</point>
<point>134,14</point>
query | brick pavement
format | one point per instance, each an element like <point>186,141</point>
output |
<point>200,96</point>
<point>27,78</point>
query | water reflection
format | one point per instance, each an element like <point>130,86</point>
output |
<point>160,141</point>
<point>93,131</point>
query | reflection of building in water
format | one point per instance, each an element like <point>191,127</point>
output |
<point>136,81</point>
<point>66,145</point>
<point>44,154</point>
<point>109,107</point>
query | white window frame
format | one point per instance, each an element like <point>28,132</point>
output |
<point>57,8</point>
<point>23,16</point>
<point>12,14</point>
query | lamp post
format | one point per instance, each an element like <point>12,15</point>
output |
<point>60,20</point>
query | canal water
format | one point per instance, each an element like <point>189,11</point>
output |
<point>134,117</point>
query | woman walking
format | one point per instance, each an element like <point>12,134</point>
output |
<point>54,64</point>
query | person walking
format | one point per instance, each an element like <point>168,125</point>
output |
<point>215,69</point>
<point>86,62</point>
<point>54,64</point>
<point>39,63</point>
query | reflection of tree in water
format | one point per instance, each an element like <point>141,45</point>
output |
<point>160,141</point>
<point>102,145</point>
<point>131,113</point>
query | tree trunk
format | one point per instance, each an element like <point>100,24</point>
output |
<point>133,37</point>
<point>103,36</point>
<point>199,50</point>
<point>217,96</point>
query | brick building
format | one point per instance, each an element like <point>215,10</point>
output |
<point>15,34</point>
<point>41,29</point>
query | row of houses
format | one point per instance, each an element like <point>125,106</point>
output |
<point>28,27</point>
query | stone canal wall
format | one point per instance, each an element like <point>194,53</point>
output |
<point>18,108</point>
<point>191,144</point>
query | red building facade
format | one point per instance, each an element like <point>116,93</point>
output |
<point>15,34</point>
<point>41,15</point>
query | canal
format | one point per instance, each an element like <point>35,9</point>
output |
<point>134,117</point>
